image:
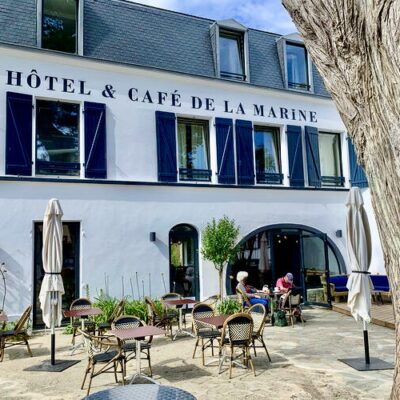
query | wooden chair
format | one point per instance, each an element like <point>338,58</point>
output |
<point>129,346</point>
<point>16,336</point>
<point>237,333</point>
<point>243,299</point>
<point>117,312</point>
<point>109,359</point>
<point>90,326</point>
<point>203,332</point>
<point>259,315</point>
<point>155,318</point>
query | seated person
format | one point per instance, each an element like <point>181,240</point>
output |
<point>285,283</point>
<point>253,294</point>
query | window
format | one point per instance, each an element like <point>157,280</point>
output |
<point>231,55</point>
<point>330,159</point>
<point>267,148</point>
<point>57,138</point>
<point>193,150</point>
<point>59,25</point>
<point>297,67</point>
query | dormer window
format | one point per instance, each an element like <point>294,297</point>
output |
<point>297,67</point>
<point>231,55</point>
<point>60,25</point>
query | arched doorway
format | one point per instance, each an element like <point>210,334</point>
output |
<point>184,260</point>
<point>271,251</point>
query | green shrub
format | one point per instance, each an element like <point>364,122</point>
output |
<point>68,330</point>
<point>228,307</point>
<point>136,308</point>
<point>107,305</point>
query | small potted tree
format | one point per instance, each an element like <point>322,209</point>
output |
<point>219,245</point>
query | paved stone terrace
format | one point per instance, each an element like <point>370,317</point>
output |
<point>304,366</point>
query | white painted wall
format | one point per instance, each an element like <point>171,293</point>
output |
<point>116,219</point>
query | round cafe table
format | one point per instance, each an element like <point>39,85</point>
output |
<point>142,392</point>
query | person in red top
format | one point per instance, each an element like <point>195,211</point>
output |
<point>285,283</point>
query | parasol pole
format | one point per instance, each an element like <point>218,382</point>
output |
<point>366,343</point>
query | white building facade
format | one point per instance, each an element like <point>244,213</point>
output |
<point>142,157</point>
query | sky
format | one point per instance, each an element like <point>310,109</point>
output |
<point>267,15</point>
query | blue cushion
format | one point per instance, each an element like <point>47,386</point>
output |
<point>380,282</point>
<point>341,289</point>
<point>339,280</point>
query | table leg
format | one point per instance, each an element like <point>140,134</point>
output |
<point>139,373</point>
<point>81,344</point>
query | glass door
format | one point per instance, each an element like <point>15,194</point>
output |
<point>315,268</point>
<point>69,273</point>
<point>183,264</point>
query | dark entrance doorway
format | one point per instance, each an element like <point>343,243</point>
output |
<point>70,270</point>
<point>271,252</point>
<point>287,254</point>
<point>184,261</point>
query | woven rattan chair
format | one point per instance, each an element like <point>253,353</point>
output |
<point>211,300</point>
<point>172,311</point>
<point>243,299</point>
<point>204,333</point>
<point>155,318</point>
<point>16,336</point>
<point>292,307</point>
<point>237,333</point>
<point>259,315</point>
<point>129,345</point>
<point>108,359</point>
<point>117,312</point>
<point>90,326</point>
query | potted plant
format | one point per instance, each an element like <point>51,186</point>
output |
<point>219,245</point>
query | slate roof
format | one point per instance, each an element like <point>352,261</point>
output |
<point>126,32</point>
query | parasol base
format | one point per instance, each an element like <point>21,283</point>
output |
<point>360,365</point>
<point>59,366</point>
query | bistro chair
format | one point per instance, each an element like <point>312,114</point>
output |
<point>172,311</point>
<point>243,299</point>
<point>211,300</point>
<point>129,345</point>
<point>155,318</point>
<point>258,313</point>
<point>16,336</point>
<point>202,331</point>
<point>108,359</point>
<point>90,326</point>
<point>117,312</point>
<point>237,333</point>
<point>293,308</point>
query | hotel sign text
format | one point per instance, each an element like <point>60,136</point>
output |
<point>163,98</point>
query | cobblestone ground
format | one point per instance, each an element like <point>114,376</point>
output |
<point>304,366</point>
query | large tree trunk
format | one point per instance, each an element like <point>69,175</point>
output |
<point>355,45</point>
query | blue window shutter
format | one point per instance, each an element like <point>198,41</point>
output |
<point>166,146</point>
<point>19,134</point>
<point>357,174</point>
<point>295,152</point>
<point>225,151</point>
<point>244,152</point>
<point>95,140</point>
<point>312,151</point>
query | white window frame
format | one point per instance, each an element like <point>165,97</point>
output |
<point>212,149</point>
<point>280,133</point>
<point>309,66</point>
<point>39,27</point>
<point>81,139</point>
<point>246,64</point>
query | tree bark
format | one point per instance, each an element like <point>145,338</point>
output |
<point>355,45</point>
<point>221,282</point>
